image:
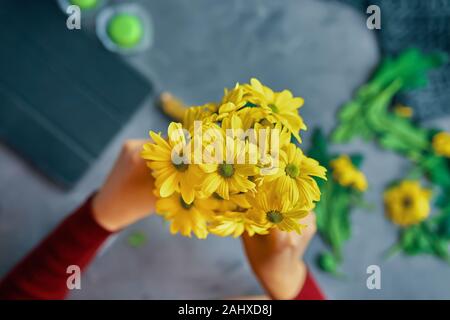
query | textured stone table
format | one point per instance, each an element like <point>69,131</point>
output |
<point>321,51</point>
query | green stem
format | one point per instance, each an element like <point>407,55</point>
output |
<point>396,248</point>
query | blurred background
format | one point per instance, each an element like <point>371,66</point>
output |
<point>69,98</point>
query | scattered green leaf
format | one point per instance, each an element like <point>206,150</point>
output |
<point>137,239</point>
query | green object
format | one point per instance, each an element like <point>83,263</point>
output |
<point>444,227</point>
<point>426,238</point>
<point>327,262</point>
<point>125,30</point>
<point>85,4</point>
<point>333,209</point>
<point>368,116</point>
<point>437,169</point>
<point>407,240</point>
<point>137,239</point>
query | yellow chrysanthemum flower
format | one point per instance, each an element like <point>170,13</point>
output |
<point>185,218</point>
<point>248,115</point>
<point>283,135</point>
<point>235,223</point>
<point>251,116</point>
<point>218,204</point>
<point>227,169</point>
<point>282,106</point>
<point>407,203</point>
<point>269,139</point>
<point>441,144</point>
<point>234,96</point>
<point>347,175</point>
<point>198,113</point>
<point>171,177</point>
<point>227,178</point>
<point>271,208</point>
<point>294,177</point>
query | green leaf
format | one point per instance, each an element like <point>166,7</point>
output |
<point>415,240</point>
<point>440,248</point>
<point>357,159</point>
<point>343,213</point>
<point>137,239</point>
<point>392,143</point>
<point>377,113</point>
<point>410,67</point>
<point>319,148</point>
<point>444,227</point>
<point>407,240</point>
<point>414,75</point>
<point>437,169</point>
<point>403,129</point>
<point>327,262</point>
<point>342,134</point>
<point>333,216</point>
<point>350,110</point>
<point>333,209</point>
<point>322,209</point>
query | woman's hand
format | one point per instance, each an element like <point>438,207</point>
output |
<point>276,259</point>
<point>127,195</point>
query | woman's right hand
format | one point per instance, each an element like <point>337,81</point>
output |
<point>277,259</point>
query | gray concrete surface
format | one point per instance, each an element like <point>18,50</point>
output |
<point>321,51</point>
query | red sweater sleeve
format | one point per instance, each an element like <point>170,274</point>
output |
<point>310,290</point>
<point>42,274</point>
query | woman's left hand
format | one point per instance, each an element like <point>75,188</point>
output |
<point>127,195</point>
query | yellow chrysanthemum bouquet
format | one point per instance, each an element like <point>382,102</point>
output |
<point>230,167</point>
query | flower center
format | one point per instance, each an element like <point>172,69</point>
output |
<point>185,205</point>
<point>217,196</point>
<point>226,170</point>
<point>181,167</point>
<point>407,202</point>
<point>273,108</point>
<point>274,216</point>
<point>292,170</point>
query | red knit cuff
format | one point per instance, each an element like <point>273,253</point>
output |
<point>84,217</point>
<point>310,289</point>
